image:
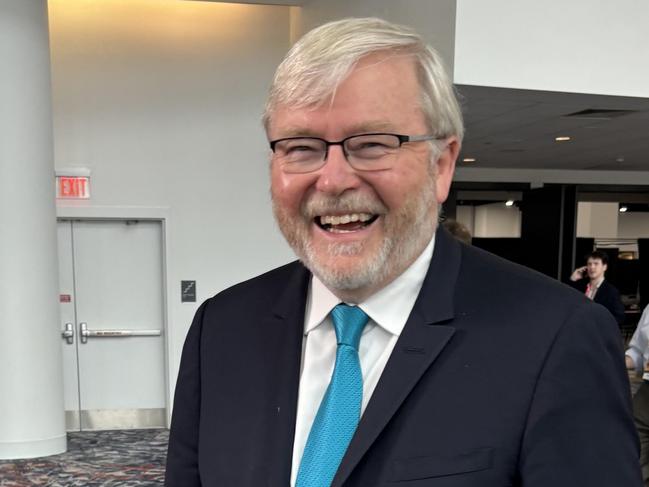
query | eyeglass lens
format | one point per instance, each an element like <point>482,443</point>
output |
<point>363,152</point>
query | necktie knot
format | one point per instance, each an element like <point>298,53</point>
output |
<point>349,322</point>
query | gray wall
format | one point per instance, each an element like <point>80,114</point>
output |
<point>580,46</point>
<point>434,20</point>
<point>162,102</point>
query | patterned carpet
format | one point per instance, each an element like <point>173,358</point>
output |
<point>127,458</point>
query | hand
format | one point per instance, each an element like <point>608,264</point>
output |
<point>578,273</point>
<point>629,362</point>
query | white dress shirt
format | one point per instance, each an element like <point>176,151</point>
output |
<point>591,290</point>
<point>639,345</point>
<point>388,310</point>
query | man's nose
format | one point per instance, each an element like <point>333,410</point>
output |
<point>337,175</point>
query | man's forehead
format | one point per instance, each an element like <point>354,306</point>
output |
<point>306,127</point>
<point>345,119</point>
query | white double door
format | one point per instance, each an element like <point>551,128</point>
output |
<point>112,333</point>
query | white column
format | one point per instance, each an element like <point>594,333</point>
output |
<point>32,420</point>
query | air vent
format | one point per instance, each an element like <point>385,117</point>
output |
<point>599,114</point>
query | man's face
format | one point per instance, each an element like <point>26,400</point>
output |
<point>596,269</point>
<point>400,204</point>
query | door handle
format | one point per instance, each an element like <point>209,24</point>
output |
<point>83,332</point>
<point>86,333</point>
<point>68,333</point>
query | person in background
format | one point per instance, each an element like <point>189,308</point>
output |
<point>637,361</point>
<point>590,279</point>
<point>458,230</point>
<point>390,353</point>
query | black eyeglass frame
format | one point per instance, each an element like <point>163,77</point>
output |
<point>402,140</point>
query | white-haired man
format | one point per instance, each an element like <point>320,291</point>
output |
<point>390,354</point>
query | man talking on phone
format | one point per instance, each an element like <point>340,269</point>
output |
<point>590,280</point>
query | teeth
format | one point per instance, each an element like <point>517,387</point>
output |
<point>342,219</point>
<point>339,230</point>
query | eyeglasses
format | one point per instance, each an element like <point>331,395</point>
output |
<point>365,152</point>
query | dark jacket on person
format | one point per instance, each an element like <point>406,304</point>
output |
<point>607,295</point>
<point>501,376</point>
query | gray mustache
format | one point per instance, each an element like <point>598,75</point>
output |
<point>350,203</point>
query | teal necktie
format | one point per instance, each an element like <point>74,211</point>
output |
<point>340,409</point>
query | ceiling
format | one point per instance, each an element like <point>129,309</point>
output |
<point>507,128</point>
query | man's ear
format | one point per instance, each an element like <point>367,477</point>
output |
<point>446,168</point>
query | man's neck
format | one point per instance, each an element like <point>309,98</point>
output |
<point>597,282</point>
<point>357,296</point>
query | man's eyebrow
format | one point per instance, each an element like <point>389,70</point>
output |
<point>363,128</point>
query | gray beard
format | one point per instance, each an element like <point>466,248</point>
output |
<point>372,272</point>
<point>406,235</point>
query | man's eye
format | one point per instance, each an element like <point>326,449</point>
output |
<point>371,148</point>
<point>293,149</point>
<point>371,144</point>
<point>299,148</point>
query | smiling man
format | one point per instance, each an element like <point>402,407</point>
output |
<point>360,211</point>
<point>390,353</point>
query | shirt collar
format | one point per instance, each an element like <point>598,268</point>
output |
<point>389,307</point>
<point>320,302</point>
<point>599,283</point>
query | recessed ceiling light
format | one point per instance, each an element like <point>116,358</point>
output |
<point>620,159</point>
<point>623,209</point>
<point>562,138</point>
<point>509,203</point>
<point>468,159</point>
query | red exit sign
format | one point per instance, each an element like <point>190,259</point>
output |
<point>73,187</point>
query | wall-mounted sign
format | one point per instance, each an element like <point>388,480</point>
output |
<point>187,291</point>
<point>73,187</point>
<point>65,298</point>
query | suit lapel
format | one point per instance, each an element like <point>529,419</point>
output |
<point>282,336</point>
<point>422,340</point>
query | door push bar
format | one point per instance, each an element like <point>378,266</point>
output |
<point>86,333</point>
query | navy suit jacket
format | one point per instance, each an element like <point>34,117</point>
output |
<point>501,377</point>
